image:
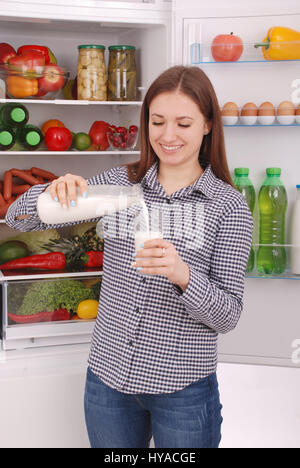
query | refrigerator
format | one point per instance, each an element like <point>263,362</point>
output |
<point>166,33</point>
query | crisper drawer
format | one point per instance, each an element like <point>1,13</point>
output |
<point>49,311</point>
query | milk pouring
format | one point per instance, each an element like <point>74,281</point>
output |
<point>101,200</point>
<point>295,236</point>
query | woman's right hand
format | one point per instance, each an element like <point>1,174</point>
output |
<point>64,189</point>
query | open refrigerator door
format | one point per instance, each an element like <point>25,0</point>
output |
<point>257,82</point>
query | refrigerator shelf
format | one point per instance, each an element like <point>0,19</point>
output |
<point>15,275</point>
<point>67,153</point>
<point>260,125</point>
<point>67,102</point>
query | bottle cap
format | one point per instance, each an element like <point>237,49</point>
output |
<point>298,186</point>
<point>273,171</point>
<point>18,115</point>
<point>241,171</point>
<point>5,138</point>
<point>33,138</point>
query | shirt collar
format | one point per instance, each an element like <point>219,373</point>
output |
<point>206,184</point>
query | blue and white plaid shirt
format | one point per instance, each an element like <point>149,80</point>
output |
<point>150,337</point>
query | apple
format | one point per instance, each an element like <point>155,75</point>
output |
<point>227,48</point>
<point>53,78</point>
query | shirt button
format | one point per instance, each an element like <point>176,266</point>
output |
<point>169,201</point>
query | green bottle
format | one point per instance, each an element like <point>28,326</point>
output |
<point>13,115</point>
<point>30,137</point>
<point>244,185</point>
<point>7,138</point>
<point>272,203</point>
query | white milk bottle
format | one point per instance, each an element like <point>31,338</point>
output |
<point>101,200</point>
<point>295,236</point>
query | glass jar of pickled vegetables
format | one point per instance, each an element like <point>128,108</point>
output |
<point>122,73</point>
<point>91,73</point>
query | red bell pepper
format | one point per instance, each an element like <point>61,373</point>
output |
<point>98,133</point>
<point>49,261</point>
<point>57,315</point>
<point>29,61</point>
<point>93,259</point>
<point>6,52</point>
<point>58,139</point>
<point>41,49</point>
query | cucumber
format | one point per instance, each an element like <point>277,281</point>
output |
<point>11,250</point>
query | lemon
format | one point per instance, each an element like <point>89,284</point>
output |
<point>88,309</point>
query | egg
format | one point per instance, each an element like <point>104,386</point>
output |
<point>266,113</point>
<point>249,114</point>
<point>286,113</point>
<point>298,114</point>
<point>230,113</point>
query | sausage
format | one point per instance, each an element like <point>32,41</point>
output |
<point>36,171</point>
<point>3,210</point>
<point>7,187</point>
<point>19,189</point>
<point>24,176</point>
<point>2,201</point>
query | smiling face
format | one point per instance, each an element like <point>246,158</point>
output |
<point>176,128</point>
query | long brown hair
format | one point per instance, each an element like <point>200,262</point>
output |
<point>193,82</point>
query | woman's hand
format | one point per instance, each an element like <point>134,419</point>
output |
<point>64,189</point>
<point>159,257</point>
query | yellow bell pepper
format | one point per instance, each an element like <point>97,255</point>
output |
<point>19,87</point>
<point>281,44</point>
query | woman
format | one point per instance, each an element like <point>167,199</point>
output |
<point>152,366</point>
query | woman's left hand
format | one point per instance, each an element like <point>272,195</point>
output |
<point>159,257</point>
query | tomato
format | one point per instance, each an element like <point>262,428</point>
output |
<point>58,139</point>
<point>51,123</point>
<point>227,48</point>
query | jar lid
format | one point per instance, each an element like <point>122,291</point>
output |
<point>92,46</point>
<point>273,171</point>
<point>121,47</point>
<point>241,171</point>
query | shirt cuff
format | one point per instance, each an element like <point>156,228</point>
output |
<point>194,293</point>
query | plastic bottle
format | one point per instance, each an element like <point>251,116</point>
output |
<point>30,137</point>
<point>101,200</point>
<point>13,115</point>
<point>295,235</point>
<point>244,185</point>
<point>272,203</point>
<point>7,138</point>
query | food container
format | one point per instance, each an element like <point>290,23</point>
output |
<point>39,312</point>
<point>118,142</point>
<point>91,73</point>
<point>122,84</point>
<point>43,83</point>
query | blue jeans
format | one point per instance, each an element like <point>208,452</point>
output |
<point>188,418</point>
